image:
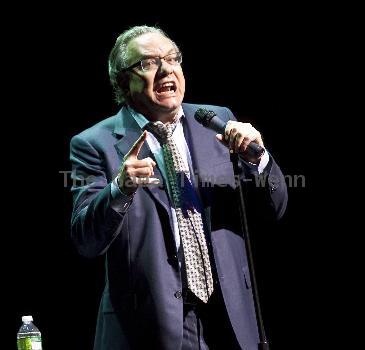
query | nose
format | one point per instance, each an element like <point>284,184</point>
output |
<point>165,68</point>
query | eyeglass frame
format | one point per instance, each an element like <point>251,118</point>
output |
<point>139,63</point>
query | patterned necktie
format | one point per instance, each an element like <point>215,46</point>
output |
<point>197,263</point>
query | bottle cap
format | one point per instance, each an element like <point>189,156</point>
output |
<point>27,318</point>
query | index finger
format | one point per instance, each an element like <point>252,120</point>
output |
<point>136,148</point>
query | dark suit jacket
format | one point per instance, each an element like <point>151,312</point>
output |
<point>141,303</point>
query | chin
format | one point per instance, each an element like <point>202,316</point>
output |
<point>170,104</point>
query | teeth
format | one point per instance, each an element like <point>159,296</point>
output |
<point>166,84</point>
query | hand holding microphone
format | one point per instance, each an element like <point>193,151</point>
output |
<point>239,137</point>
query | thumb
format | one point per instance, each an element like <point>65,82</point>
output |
<point>220,138</point>
<point>136,148</point>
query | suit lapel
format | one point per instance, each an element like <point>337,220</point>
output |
<point>130,131</point>
<point>211,162</point>
<point>210,158</point>
<point>197,138</point>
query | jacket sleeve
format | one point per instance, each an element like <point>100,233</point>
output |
<point>266,193</point>
<point>97,215</point>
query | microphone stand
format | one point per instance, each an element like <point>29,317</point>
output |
<point>263,343</point>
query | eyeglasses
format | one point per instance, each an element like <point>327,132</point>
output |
<point>153,63</point>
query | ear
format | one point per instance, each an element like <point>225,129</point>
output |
<point>123,82</point>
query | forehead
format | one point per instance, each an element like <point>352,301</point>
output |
<point>149,44</point>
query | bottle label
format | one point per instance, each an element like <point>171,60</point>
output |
<point>30,343</point>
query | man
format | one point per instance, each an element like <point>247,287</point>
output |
<point>154,191</point>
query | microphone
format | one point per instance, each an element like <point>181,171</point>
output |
<point>210,120</point>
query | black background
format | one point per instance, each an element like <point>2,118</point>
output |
<point>266,64</point>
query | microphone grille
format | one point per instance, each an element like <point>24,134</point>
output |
<point>203,116</point>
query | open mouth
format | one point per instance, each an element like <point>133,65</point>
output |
<point>166,88</point>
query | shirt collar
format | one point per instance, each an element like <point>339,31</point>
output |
<point>142,121</point>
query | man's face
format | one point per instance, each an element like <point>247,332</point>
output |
<point>156,91</point>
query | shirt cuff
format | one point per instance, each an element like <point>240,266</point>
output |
<point>263,162</point>
<point>121,202</point>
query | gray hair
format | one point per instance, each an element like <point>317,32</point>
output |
<point>118,58</point>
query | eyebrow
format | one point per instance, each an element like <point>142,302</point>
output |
<point>153,56</point>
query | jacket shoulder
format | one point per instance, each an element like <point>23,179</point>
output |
<point>96,131</point>
<point>223,112</point>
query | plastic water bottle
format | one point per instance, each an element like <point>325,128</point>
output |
<point>29,336</point>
